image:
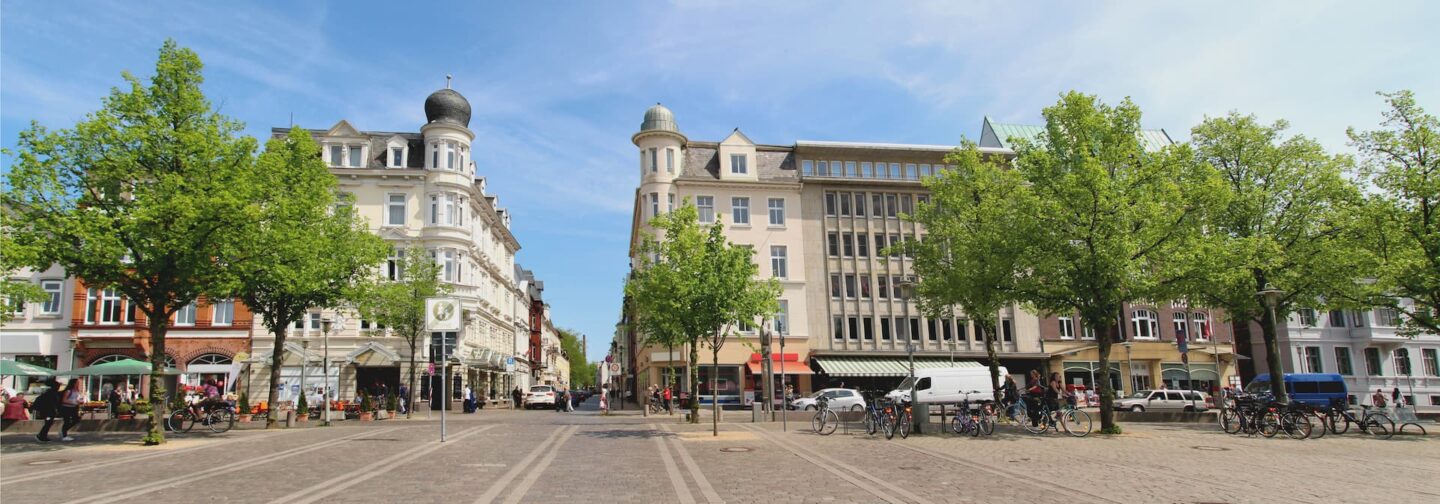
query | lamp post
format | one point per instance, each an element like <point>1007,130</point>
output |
<point>325,325</point>
<point>1271,297</point>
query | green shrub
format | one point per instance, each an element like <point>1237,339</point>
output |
<point>244,403</point>
<point>143,406</point>
<point>301,407</point>
<point>125,409</point>
<point>392,402</point>
<point>366,404</point>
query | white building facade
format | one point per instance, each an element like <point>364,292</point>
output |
<point>39,333</point>
<point>1365,348</point>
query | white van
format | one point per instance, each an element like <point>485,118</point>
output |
<point>949,385</point>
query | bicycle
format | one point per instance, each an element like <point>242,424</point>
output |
<point>1074,422</point>
<point>888,418</point>
<point>218,417</point>
<point>1246,414</point>
<point>974,422</point>
<point>904,418</point>
<point>825,420</point>
<point>1294,420</point>
<point>1372,421</point>
<point>875,416</point>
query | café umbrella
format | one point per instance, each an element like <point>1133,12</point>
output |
<point>16,368</point>
<point>120,367</point>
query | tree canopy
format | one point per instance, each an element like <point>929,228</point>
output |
<point>398,302</point>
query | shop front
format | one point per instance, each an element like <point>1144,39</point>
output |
<point>786,370</point>
<point>1145,365</point>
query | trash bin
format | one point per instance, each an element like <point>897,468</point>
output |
<point>289,418</point>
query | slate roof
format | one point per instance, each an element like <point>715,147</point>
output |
<point>773,163</point>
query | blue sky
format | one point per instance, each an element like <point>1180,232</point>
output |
<point>558,88</point>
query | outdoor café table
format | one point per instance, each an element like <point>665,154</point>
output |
<point>92,409</point>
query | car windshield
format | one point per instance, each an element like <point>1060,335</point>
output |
<point>905,385</point>
<point>1140,395</point>
<point>815,394</point>
<point>540,388</point>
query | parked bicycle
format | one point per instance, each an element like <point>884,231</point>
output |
<point>974,419</point>
<point>1372,421</point>
<point>825,420</point>
<point>877,413</point>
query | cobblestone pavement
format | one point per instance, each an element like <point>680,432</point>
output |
<point>542,456</point>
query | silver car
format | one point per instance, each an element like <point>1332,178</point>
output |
<point>1163,400</point>
<point>840,400</point>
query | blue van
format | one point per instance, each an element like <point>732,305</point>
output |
<point>1314,389</point>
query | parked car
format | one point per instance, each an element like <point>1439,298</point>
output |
<point>949,385</point>
<point>1164,400</point>
<point>840,400</point>
<point>1313,389</point>
<point>539,396</point>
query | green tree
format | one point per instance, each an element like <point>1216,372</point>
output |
<point>14,256</point>
<point>1402,226</point>
<point>400,304</point>
<point>303,251</point>
<point>655,307</point>
<point>142,196</point>
<point>582,374</point>
<point>733,296</point>
<point>1282,227</point>
<point>973,257</point>
<point>1113,220</point>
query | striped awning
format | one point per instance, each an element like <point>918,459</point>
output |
<point>884,366</point>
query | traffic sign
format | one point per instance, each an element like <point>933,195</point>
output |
<point>442,314</point>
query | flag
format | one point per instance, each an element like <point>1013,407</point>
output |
<point>1181,340</point>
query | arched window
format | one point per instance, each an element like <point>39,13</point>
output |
<point>1180,326</point>
<point>109,358</point>
<point>1202,325</point>
<point>211,359</point>
<point>1145,324</point>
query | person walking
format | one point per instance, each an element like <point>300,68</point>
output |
<point>1010,396</point>
<point>569,401</point>
<point>666,396</point>
<point>1378,400</point>
<point>14,403</point>
<point>46,407</point>
<point>404,398</point>
<point>70,401</point>
<point>515,399</point>
<point>1395,398</point>
<point>469,400</point>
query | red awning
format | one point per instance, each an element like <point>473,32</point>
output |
<point>791,368</point>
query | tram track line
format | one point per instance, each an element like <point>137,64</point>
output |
<point>1040,483</point>
<point>524,486</point>
<point>834,467</point>
<point>340,483</point>
<point>160,452</point>
<point>682,491</point>
<point>700,481</point>
<point>133,491</point>
<point>515,470</point>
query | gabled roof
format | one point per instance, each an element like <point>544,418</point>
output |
<point>343,129</point>
<point>999,135</point>
<point>738,137</point>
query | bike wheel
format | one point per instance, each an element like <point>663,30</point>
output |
<point>1339,424</point>
<point>1296,425</point>
<point>870,426</point>
<point>1269,424</point>
<point>974,427</point>
<point>987,426</point>
<point>1076,422</point>
<point>1037,426</point>
<point>221,420</point>
<point>1380,426</point>
<point>180,422</point>
<point>905,422</point>
<point>957,425</point>
<point>832,421</point>
<point>1230,421</point>
<point>817,423</point>
<point>1319,422</point>
<point>887,423</point>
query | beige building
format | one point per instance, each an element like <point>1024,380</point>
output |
<point>416,189</point>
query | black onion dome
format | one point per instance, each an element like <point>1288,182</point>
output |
<point>447,106</point>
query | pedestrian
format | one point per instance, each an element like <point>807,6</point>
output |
<point>46,407</point>
<point>515,398</point>
<point>70,401</point>
<point>1010,396</point>
<point>569,401</point>
<point>404,398</point>
<point>667,395</point>
<point>1395,398</point>
<point>113,397</point>
<point>559,396</point>
<point>468,397</point>
<point>1378,399</point>
<point>14,403</point>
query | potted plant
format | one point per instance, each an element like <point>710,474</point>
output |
<point>392,403</point>
<point>302,410</point>
<point>367,408</point>
<point>244,407</point>
<point>125,411</point>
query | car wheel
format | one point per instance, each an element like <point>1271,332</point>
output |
<point>857,407</point>
<point>810,408</point>
<point>1189,409</point>
<point>1137,408</point>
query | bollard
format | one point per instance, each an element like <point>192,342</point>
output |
<point>289,418</point>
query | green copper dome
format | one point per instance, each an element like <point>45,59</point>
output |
<point>659,118</point>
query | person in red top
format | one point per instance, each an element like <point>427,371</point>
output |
<point>666,396</point>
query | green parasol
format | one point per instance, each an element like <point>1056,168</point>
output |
<point>17,368</point>
<point>120,367</point>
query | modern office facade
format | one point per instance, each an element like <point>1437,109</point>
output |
<point>1363,346</point>
<point>416,190</point>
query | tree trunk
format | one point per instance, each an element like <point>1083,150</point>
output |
<point>714,390</point>
<point>670,380</point>
<point>154,432</point>
<point>410,400</point>
<point>277,354</point>
<point>694,381</point>
<point>987,330</point>
<point>1272,355</point>
<point>1107,393</point>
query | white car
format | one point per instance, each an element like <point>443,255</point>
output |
<point>540,395</point>
<point>1164,400</point>
<point>840,400</point>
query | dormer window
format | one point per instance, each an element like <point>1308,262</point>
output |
<point>397,157</point>
<point>737,164</point>
<point>337,155</point>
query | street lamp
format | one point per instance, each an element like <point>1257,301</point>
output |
<point>325,325</point>
<point>1271,297</point>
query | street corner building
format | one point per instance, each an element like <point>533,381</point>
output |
<point>423,189</point>
<point>818,215</point>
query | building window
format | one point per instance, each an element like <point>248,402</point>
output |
<point>838,328</point>
<point>670,160</point>
<point>777,211</point>
<point>52,290</point>
<point>914,329</point>
<point>847,243</point>
<point>1432,364</point>
<point>654,163</point>
<point>395,264</point>
<point>740,211</point>
<point>1202,326</point>
<point>844,203</point>
<point>1087,333</point>
<point>1307,317</point>
<point>1067,328</point>
<point>337,155</point>
<point>355,157</point>
<point>885,331</point>
<point>882,287</point>
<point>850,286</point>
<point>1342,361</point>
<point>859,204</point>
<point>962,329</point>
<point>807,167</point>
<point>397,157</point>
<point>654,204</point>
<point>670,202</point>
<point>449,268</point>
<point>865,286</point>
<point>1372,361</point>
<point>449,156</point>
<point>947,328</point>
<point>778,262</point>
<point>737,164</point>
<point>1007,330</point>
<point>17,305</point>
<point>782,318</point>
<point>435,156</point>
<point>862,245</point>
<point>1144,324</point>
<point>706,207</point>
<point>1337,318</point>
<point>447,209</point>
<point>1312,362</point>
<point>830,206</point>
<point>1387,317</point>
<point>224,312</point>
<point>866,169</point>
<point>111,306</point>
<point>835,286</point>
<point>1402,361</point>
<point>185,316</point>
<point>880,245</point>
<point>1357,318</point>
<point>1181,324</point>
<point>395,210</point>
<point>890,206</point>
